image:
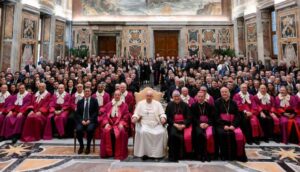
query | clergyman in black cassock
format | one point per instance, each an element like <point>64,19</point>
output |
<point>179,128</point>
<point>203,131</point>
<point>228,121</point>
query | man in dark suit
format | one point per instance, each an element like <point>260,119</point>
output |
<point>86,119</point>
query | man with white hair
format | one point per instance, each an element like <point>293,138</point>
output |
<point>127,97</point>
<point>248,110</point>
<point>151,136</point>
<point>36,119</point>
<point>59,110</point>
<point>185,96</point>
<point>179,129</point>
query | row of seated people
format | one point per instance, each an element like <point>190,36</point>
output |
<point>32,117</point>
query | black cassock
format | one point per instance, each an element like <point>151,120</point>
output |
<point>232,143</point>
<point>178,145</point>
<point>203,139</point>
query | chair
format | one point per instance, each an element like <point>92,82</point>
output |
<point>142,95</point>
<point>75,142</point>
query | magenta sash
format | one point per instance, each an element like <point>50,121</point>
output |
<point>203,119</point>
<point>240,141</point>
<point>227,117</point>
<point>187,133</point>
<point>239,136</point>
<point>210,142</point>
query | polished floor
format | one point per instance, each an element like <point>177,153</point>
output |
<point>58,155</point>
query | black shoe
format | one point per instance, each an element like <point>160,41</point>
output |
<point>266,140</point>
<point>250,143</point>
<point>256,142</point>
<point>144,158</point>
<point>80,150</point>
<point>14,140</point>
<point>87,151</point>
<point>2,139</point>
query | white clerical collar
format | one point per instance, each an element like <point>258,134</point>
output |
<point>22,95</point>
<point>60,97</point>
<point>284,100</point>
<point>100,94</point>
<point>185,98</point>
<point>79,94</point>
<point>245,97</point>
<point>116,103</point>
<point>265,99</point>
<point>207,96</point>
<point>4,96</point>
<point>40,96</point>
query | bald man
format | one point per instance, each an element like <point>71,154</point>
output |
<point>228,120</point>
<point>151,136</point>
<point>60,107</point>
<point>36,120</point>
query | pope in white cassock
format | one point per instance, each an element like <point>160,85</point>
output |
<point>151,136</point>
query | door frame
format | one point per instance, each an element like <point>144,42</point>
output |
<point>181,38</point>
<point>95,47</point>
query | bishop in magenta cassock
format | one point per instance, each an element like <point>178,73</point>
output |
<point>228,122</point>
<point>13,123</point>
<point>60,107</point>
<point>114,139</point>
<point>36,120</point>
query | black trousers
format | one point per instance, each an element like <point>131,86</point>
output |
<point>267,125</point>
<point>176,144</point>
<point>89,129</point>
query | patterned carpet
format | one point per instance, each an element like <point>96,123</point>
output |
<point>58,155</point>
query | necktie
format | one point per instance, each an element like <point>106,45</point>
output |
<point>86,110</point>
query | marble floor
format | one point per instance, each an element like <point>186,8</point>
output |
<point>58,155</point>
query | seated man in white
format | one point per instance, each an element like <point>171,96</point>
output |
<point>151,136</point>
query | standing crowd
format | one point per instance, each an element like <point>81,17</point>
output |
<point>214,105</point>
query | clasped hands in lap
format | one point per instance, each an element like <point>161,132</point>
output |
<point>134,120</point>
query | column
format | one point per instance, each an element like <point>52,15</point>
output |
<point>16,41</point>
<point>52,39</point>
<point>236,37</point>
<point>260,36</point>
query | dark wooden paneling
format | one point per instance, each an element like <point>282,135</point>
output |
<point>107,46</point>
<point>166,43</point>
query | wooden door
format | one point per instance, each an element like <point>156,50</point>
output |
<point>166,43</point>
<point>107,46</point>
